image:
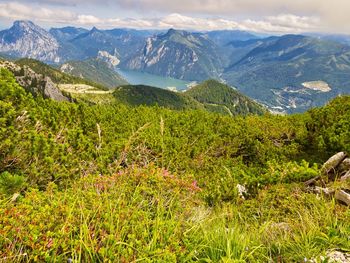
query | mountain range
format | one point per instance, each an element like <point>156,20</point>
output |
<point>292,72</point>
<point>288,73</point>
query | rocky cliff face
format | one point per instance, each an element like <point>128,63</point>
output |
<point>33,82</point>
<point>111,60</point>
<point>25,39</point>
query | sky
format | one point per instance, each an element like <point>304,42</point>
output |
<point>264,16</point>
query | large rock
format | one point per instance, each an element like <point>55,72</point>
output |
<point>51,91</point>
<point>333,162</point>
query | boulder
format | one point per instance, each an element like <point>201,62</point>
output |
<point>51,91</point>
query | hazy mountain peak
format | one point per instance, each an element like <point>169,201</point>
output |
<point>176,32</point>
<point>24,23</point>
<point>26,39</point>
<point>94,29</point>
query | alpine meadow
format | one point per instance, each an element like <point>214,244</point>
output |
<point>197,131</point>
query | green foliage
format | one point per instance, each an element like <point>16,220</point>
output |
<point>121,183</point>
<point>329,126</point>
<point>135,214</point>
<point>56,75</point>
<point>282,224</point>
<point>10,184</point>
<point>135,95</point>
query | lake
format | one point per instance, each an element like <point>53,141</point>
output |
<point>142,78</point>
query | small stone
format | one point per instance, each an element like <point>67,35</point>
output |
<point>242,191</point>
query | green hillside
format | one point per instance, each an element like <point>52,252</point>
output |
<point>94,70</point>
<point>118,183</point>
<point>221,98</point>
<point>56,75</point>
<point>135,95</point>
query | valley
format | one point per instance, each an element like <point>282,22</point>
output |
<point>198,140</point>
<point>273,70</point>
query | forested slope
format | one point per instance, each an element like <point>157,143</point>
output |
<point>121,183</point>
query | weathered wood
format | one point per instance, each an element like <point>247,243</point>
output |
<point>344,166</point>
<point>324,191</point>
<point>333,162</point>
<point>345,177</point>
<point>312,181</point>
<point>342,196</point>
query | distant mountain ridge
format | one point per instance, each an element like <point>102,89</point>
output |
<point>278,70</point>
<point>25,39</point>
<point>66,33</point>
<point>288,73</point>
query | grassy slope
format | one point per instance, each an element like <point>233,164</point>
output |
<point>97,71</point>
<point>168,191</point>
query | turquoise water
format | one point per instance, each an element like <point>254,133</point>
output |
<point>137,78</point>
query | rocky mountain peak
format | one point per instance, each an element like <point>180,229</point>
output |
<point>24,24</point>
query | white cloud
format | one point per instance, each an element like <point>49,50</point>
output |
<point>333,14</point>
<point>129,23</point>
<point>283,23</point>
<point>88,20</point>
<point>20,11</point>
